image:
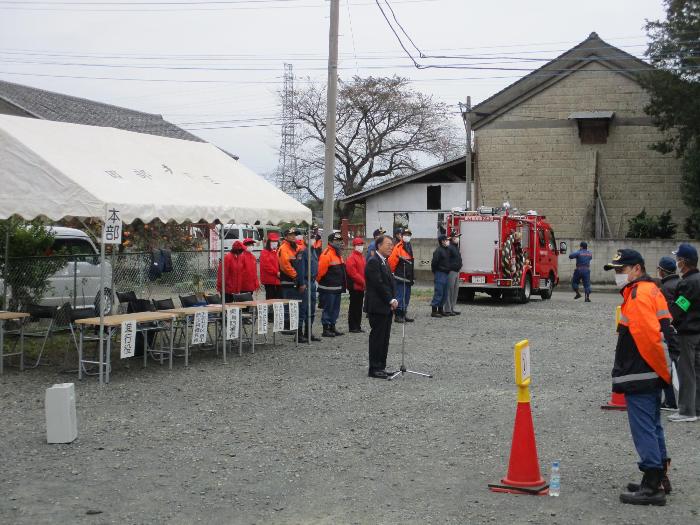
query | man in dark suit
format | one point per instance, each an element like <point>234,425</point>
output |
<point>380,303</point>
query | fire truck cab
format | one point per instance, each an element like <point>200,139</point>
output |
<point>505,254</point>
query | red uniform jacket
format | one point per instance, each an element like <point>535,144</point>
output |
<point>355,268</point>
<point>269,267</point>
<point>249,277</point>
<point>234,266</point>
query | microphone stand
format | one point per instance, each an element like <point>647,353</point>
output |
<point>403,370</point>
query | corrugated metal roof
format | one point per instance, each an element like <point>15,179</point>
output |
<point>48,105</point>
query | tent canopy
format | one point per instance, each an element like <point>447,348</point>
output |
<point>57,170</point>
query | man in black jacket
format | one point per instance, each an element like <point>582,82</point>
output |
<point>380,303</point>
<point>453,276</point>
<point>440,265</point>
<point>668,282</point>
<point>685,310</point>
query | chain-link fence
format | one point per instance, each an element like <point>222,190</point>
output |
<point>75,279</point>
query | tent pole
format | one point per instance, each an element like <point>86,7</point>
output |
<point>308,287</point>
<point>102,299</point>
<point>6,267</point>
<point>223,290</point>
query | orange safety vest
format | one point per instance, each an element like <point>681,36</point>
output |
<point>643,308</point>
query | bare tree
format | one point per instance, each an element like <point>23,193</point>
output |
<point>383,129</point>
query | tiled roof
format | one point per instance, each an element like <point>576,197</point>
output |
<point>49,105</point>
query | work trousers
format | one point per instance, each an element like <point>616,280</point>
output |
<point>403,294</point>
<point>688,368</point>
<point>304,306</point>
<point>452,291</point>
<point>380,332</point>
<point>355,310</point>
<point>440,293</point>
<point>644,414</point>
<point>331,307</point>
<point>581,274</point>
<point>273,291</point>
<point>290,292</point>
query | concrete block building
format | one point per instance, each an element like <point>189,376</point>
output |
<point>571,140</point>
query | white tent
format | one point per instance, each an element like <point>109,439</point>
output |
<point>57,169</point>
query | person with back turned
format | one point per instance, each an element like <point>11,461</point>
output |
<point>641,371</point>
<point>583,271</point>
<point>380,304</point>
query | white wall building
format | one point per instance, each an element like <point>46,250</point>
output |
<point>418,201</point>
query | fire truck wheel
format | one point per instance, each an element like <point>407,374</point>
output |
<point>546,292</point>
<point>465,295</point>
<point>523,295</point>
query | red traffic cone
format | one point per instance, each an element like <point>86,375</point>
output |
<point>617,402</point>
<point>524,467</point>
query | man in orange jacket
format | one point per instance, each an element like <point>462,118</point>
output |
<point>331,284</point>
<point>641,371</point>
<point>291,280</point>
<point>401,264</point>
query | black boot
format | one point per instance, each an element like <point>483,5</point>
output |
<point>441,311</point>
<point>577,296</point>
<point>335,331</point>
<point>301,337</point>
<point>650,491</point>
<point>588,298</point>
<point>665,482</point>
<point>435,312</point>
<point>398,317</point>
<point>327,332</point>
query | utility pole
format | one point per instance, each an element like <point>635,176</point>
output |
<point>468,130</point>
<point>332,92</point>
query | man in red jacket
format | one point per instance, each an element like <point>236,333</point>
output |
<point>249,273</point>
<point>355,268</point>
<point>233,266</point>
<point>270,267</point>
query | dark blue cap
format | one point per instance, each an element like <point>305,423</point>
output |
<point>625,257</point>
<point>442,237</point>
<point>667,264</point>
<point>583,245</point>
<point>686,251</point>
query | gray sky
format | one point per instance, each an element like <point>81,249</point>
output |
<point>218,64</point>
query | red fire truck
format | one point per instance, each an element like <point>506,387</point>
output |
<point>505,254</point>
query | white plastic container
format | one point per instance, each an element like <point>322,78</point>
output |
<point>61,421</point>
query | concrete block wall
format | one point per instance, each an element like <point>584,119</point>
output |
<point>533,157</point>
<point>604,250</point>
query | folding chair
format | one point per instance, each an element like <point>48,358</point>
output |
<point>70,315</point>
<point>168,304</point>
<point>37,314</point>
<point>124,298</point>
<point>212,298</point>
<point>188,301</point>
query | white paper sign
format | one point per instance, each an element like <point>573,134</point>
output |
<point>112,229</point>
<point>262,319</point>
<point>278,311</point>
<point>128,346</point>
<point>232,316</point>
<point>293,315</point>
<point>199,328</point>
<point>525,363</point>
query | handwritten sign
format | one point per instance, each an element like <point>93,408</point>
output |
<point>293,315</point>
<point>128,346</point>
<point>278,312</point>
<point>262,319</point>
<point>233,314</point>
<point>112,229</point>
<point>199,328</point>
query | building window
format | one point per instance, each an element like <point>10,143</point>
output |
<point>434,197</point>
<point>400,221</point>
<point>593,131</point>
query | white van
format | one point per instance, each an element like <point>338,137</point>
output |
<point>238,232</point>
<point>78,282</point>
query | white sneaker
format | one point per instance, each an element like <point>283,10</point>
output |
<point>680,418</point>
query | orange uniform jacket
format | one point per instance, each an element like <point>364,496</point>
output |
<point>287,255</point>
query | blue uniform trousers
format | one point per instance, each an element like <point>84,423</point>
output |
<point>304,306</point>
<point>291,292</point>
<point>403,294</point>
<point>581,274</point>
<point>331,307</point>
<point>440,293</point>
<point>644,414</point>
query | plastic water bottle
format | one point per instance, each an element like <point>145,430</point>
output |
<point>554,480</point>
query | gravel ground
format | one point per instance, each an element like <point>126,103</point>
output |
<point>301,435</point>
